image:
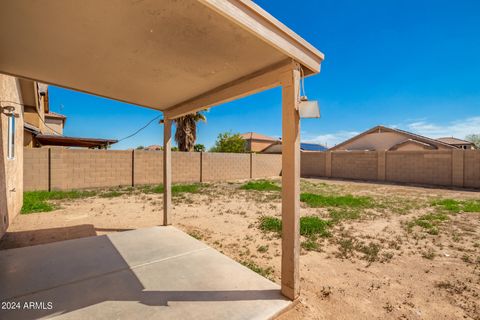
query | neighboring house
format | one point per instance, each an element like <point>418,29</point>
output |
<point>153,147</point>
<point>304,147</point>
<point>458,143</point>
<point>381,138</point>
<point>256,142</point>
<point>45,128</point>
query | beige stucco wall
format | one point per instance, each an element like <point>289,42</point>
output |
<point>410,146</point>
<point>28,139</point>
<point>11,170</point>
<point>379,142</point>
<point>253,145</point>
<point>374,141</point>
<point>55,126</point>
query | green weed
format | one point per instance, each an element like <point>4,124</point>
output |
<point>318,200</point>
<point>309,226</point>
<point>271,224</point>
<point>176,188</point>
<point>429,222</point>
<point>457,206</point>
<point>38,201</point>
<point>261,185</point>
<point>264,272</point>
<point>340,214</point>
<point>310,245</point>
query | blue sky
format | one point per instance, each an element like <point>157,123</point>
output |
<point>408,64</point>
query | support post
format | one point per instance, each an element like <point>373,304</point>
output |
<point>167,172</point>
<point>290,184</point>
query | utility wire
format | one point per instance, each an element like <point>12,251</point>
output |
<point>127,137</point>
<point>148,123</point>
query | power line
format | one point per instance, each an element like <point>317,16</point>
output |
<point>148,123</point>
<point>127,137</point>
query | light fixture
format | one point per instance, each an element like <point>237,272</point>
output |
<point>8,110</point>
<point>308,109</point>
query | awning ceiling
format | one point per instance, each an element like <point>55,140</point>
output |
<point>151,53</point>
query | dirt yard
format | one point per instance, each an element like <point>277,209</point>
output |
<point>373,251</point>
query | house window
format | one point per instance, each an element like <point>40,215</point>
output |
<point>11,137</point>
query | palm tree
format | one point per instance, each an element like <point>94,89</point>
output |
<point>186,132</point>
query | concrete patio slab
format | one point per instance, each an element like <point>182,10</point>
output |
<point>154,273</point>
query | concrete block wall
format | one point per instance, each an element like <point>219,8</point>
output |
<point>266,165</point>
<point>186,166</point>
<point>472,168</point>
<point>65,169</point>
<point>80,169</point>
<point>313,164</point>
<point>147,167</point>
<point>355,165</point>
<point>225,166</point>
<point>458,168</point>
<point>36,174</point>
<point>425,167</point>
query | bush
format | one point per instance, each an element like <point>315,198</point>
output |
<point>229,142</point>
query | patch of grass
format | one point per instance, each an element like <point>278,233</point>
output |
<point>262,249</point>
<point>466,258</point>
<point>429,222</point>
<point>318,200</point>
<point>310,245</point>
<point>176,188</point>
<point>195,234</point>
<point>256,268</point>
<point>312,226</point>
<point>370,251</point>
<point>261,185</point>
<point>38,201</point>
<point>429,254</point>
<point>340,214</point>
<point>457,206</point>
<point>31,204</point>
<point>309,226</point>
<point>346,247</point>
<point>271,224</point>
<point>111,194</point>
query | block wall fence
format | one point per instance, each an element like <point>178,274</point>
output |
<point>451,168</point>
<point>66,169</point>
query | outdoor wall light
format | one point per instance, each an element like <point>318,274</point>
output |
<point>308,109</point>
<point>8,110</point>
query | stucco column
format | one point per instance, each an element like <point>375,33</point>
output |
<point>167,172</point>
<point>290,185</point>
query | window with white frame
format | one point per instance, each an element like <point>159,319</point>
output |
<point>11,137</point>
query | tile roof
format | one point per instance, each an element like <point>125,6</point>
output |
<point>257,136</point>
<point>454,141</point>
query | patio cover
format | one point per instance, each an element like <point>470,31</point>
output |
<point>156,54</point>
<point>55,140</point>
<point>173,56</point>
